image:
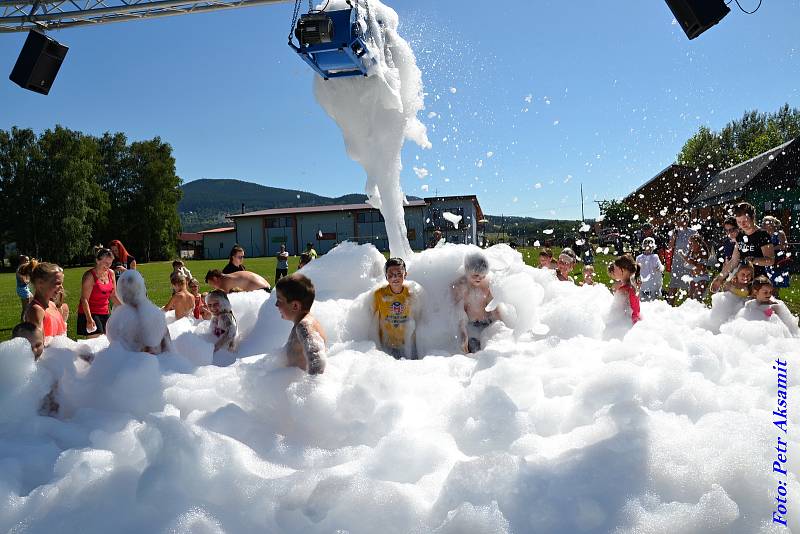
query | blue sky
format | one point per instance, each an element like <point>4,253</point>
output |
<point>560,93</point>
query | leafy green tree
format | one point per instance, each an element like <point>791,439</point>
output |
<point>740,139</point>
<point>619,215</point>
<point>151,216</point>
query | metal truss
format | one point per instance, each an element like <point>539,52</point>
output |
<point>21,16</point>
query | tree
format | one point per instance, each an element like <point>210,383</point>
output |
<point>619,215</point>
<point>740,139</point>
<point>152,214</point>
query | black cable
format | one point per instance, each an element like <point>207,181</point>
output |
<point>749,12</point>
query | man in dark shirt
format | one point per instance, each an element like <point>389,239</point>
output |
<point>753,245</point>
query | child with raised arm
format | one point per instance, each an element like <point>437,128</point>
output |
<point>471,294</point>
<point>396,307</point>
<point>651,270</point>
<point>739,284</point>
<point>305,347</point>
<point>763,305</point>
<point>223,322</point>
<point>181,301</point>
<point>625,273</point>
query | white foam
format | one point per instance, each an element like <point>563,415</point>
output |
<point>664,427</point>
<point>378,113</point>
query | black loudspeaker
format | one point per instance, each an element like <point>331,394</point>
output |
<point>38,63</point>
<point>696,16</point>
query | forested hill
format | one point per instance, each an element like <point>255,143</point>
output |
<point>206,202</point>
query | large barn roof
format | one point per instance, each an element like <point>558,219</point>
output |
<point>734,179</point>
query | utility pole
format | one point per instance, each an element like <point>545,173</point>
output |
<point>582,216</point>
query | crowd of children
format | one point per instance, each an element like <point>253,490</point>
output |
<point>396,307</point>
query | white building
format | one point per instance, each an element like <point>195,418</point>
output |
<point>218,242</point>
<point>262,232</point>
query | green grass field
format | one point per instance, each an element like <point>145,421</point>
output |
<point>156,276</point>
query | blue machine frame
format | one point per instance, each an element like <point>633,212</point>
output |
<point>346,55</point>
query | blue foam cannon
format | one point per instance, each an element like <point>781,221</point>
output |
<point>333,43</point>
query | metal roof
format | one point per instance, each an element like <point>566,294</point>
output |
<point>733,179</point>
<point>317,209</point>
<point>218,230</point>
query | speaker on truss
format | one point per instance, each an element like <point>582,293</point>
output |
<point>696,16</point>
<point>38,63</point>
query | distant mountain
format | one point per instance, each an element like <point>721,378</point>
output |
<point>207,202</point>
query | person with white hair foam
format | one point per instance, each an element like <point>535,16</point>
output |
<point>472,295</point>
<point>651,271</point>
<point>138,325</point>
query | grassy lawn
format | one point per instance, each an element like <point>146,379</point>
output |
<point>156,276</point>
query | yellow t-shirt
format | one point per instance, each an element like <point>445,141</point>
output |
<point>394,311</point>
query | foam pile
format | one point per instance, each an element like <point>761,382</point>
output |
<point>572,421</point>
<point>378,113</point>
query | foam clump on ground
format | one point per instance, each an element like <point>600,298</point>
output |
<point>555,426</point>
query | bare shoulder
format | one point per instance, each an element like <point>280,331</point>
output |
<point>309,327</point>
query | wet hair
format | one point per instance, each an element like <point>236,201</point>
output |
<point>24,330</point>
<point>774,221</point>
<point>177,263</point>
<point>569,253</point>
<point>546,252</point>
<point>177,278</point>
<point>394,262</point>
<point>297,287</point>
<point>236,248</point>
<point>102,252</point>
<point>476,262</point>
<point>626,263</point>
<point>40,270</point>
<point>758,283</point>
<point>697,238</point>
<point>213,273</point>
<point>744,208</point>
<point>221,297</point>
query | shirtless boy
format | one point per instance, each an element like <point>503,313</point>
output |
<point>244,280</point>
<point>182,302</point>
<point>306,345</point>
<point>472,294</point>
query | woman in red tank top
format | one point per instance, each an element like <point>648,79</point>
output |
<point>47,280</point>
<point>98,287</point>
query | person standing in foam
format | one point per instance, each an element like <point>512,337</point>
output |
<point>651,270</point>
<point>471,294</point>
<point>138,325</point>
<point>725,305</point>
<point>764,306</point>
<point>223,322</point>
<point>625,272</point>
<point>396,308</point>
<point>305,347</point>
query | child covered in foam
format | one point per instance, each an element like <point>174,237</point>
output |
<point>223,322</point>
<point>472,295</point>
<point>305,347</point>
<point>396,308</point>
<point>765,307</point>
<point>726,304</point>
<point>138,325</point>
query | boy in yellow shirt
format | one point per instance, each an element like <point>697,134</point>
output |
<point>396,307</point>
